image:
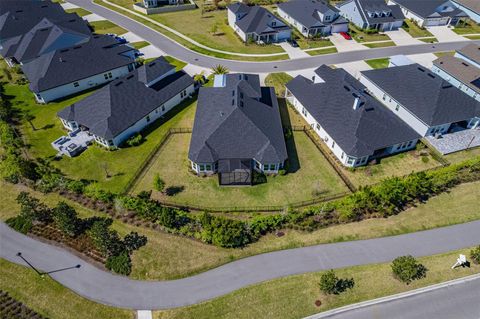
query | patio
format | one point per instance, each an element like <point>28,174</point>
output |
<point>72,144</point>
<point>456,141</point>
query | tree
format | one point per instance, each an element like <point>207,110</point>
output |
<point>158,183</point>
<point>134,241</point>
<point>106,240</point>
<point>31,208</point>
<point>219,70</point>
<point>65,217</point>
<point>331,284</point>
<point>121,263</point>
<point>407,269</point>
<point>475,254</point>
<point>199,78</point>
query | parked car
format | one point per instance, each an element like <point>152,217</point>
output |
<point>293,43</point>
<point>346,36</point>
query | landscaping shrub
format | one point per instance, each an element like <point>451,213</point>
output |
<point>121,264</point>
<point>77,187</point>
<point>94,191</point>
<point>331,284</point>
<point>158,183</point>
<point>407,269</point>
<point>65,218</point>
<point>134,241</point>
<point>475,255</point>
<point>135,140</point>
<point>20,223</point>
<point>224,232</point>
<point>105,239</point>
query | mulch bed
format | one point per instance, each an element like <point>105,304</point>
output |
<point>14,309</point>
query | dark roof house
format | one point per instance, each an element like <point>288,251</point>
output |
<point>375,14</point>
<point>464,72</point>
<point>356,121</point>
<point>431,11</point>
<point>470,53</point>
<point>239,120</point>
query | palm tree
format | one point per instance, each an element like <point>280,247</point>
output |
<point>219,70</point>
<point>199,78</point>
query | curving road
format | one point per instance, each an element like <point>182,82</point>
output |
<point>178,51</point>
<point>106,288</point>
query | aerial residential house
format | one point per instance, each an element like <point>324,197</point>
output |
<point>129,104</point>
<point>237,129</point>
<point>312,17</point>
<point>470,7</point>
<point>429,13</point>
<point>157,3</point>
<point>372,14</point>
<point>470,53</point>
<point>257,23</point>
<point>355,126</point>
<point>64,72</point>
<point>424,100</point>
<point>459,73</point>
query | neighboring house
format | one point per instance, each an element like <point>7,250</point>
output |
<point>429,13</point>
<point>60,73</point>
<point>428,103</point>
<point>312,17</point>
<point>127,105</point>
<point>459,73</point>
<point>257,23</point>
<point>470,7</point>
<point>470,53</point>
<point>372,14</point>
<point>354,125</point>
<point>46,36</point>
<point>158,3</point>
<point>237,129</point>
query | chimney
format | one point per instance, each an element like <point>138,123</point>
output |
<point>356,103</point>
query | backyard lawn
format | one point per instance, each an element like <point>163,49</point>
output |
<point>414,30</point>
<point>469,28</point>
<point>309,171</point>
<point>361,36</point>
<point>461,156</point>
<point>378,63</point>
<point>104,27</point>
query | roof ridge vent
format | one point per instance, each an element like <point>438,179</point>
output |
<point>419,68</point>
<point>431,75</point>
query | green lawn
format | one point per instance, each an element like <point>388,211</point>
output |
<point>469,28</point>
<point>177,63</point>
<point>361,36</point>
<point>440,54</point>
<point>414,30</point>
<point>309,172</point>
<point>322,51</point>
<point>378,63</point>
<point>278,81</point>
<point>294,296</point>
<point>139,45</point>
<point>80,11</point>
<point>463,155</point>
<point>51,299</point>
<point>429,40</point>
<point>380,44</point>
<point>473,37</point>
<point>104,27</point>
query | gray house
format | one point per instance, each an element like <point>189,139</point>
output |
<point>470,7</point>
<point>129,104</point>
<point>61,73</point>
<point>237,129</point>
<point>428,13</point>
<point>312,17</point>
<point>372,14</point>
<point>257,23</point>
<point>353,125</point>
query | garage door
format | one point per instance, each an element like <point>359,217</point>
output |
<point>340,28</point>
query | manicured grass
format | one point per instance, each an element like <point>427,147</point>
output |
<point>295,296</point>
<point>361,36</point>
<point>429,40</point>
<point>440,54</point>
<point>278,81</point>
<point>463,155</point>
<point>168,256</point>
<point>80,11</point>
<point>473,37</point>
<point>414,30</point>
<point>177,63</point>
<point>139,45</point>
<point>104,27</point>
<point>305,43</point>
<point>378,63</point>
<point>380,44</point>
<point>51,299</point>
<point>469,28</point>
<point>309,171</point>
<point>322,51</point>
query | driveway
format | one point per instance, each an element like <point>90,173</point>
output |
<point>425,59</point>
<point>344,45</point>
<point>445,34</point>
<point>293,53</point>
<point>402,37</point>
<point>104,287</point>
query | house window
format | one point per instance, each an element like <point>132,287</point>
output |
<point>397,107</point>
<point>194,165</point>
<point>304,112</point>
<point>350,161</point>
<point>409,143</point>
<point>108,75</point>
<point>333,144</point>
<point>257,165</point>
<point>318,126</point>
<point>215,166</point>
<point>163,108</point>
<point>208,167</point>
<point>202,167</point>
<point>327,18</point>
<point>342,154</point>
<point>384,97</point>
<point>75,84</point>
<point>148,118</point>
<point>272,167</point>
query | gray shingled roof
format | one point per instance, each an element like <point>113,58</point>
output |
<point>473,5</point>
<point>257,19</point>
<point>306,12</point>
<point>358,132</point>
<point>426,8</point>
<point>150,71</point>
<point>232,122</point>
<point>471,52</point>
<point>100,54</point>
<point>429,97</point>
<point>117,106</point>
<point>460,69</point>
<point>378,6</point>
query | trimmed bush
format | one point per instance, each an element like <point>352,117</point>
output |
<point>135,140</point>
<point>66,220</point>
<point>407,269</point>
<point>158,183</point>
<point>120,264</point>
<point>331,284</point>
<point>20,223</point>
<point>475,255</point>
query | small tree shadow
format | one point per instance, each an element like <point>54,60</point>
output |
<point>174,190</point>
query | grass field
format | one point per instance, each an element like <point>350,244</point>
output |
<point>469,28</point>
<point>440,54</point>
<point>168,256</point>
<point>51,299</point>
<point>463,155</point>
<point>378,63</point>
<point>104,27</point>
<point>294,297</point>
<point>414,30</point>
<point>305,43</point>
<point>380,44</point>
<point>80,11</point>
<point>179,65</point>
<point>309,171</point>
<point>473,37</point>
<point>139,45</point>
<point>322,51</point>
<point>278,81</point>
<point>361,36</point>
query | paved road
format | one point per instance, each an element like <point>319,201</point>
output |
<point>118,291</point>
<point>174,49</point>
<point>456,299</point>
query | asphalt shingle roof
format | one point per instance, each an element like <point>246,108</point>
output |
<point>100,54</point>
<point>117,106</point>
<point>429,97</point>
<point>306,12</point>
<point>471,51</point>
<point>238,121</point>
<point>463,71</point>
<point>473,5</point>
<point>379,6</point>
<point>426,8</point>
<point>359,132</point>
<point>257,19</point>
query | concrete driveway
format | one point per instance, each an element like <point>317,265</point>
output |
<point>402,37</point>
<point>293,53</point>
<point>425,59</point>
<point>445,34</point>
<point>344,45</point>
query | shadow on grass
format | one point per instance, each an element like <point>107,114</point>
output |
<point>293,161</point>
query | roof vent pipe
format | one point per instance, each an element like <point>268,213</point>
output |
<point>356,103</point>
